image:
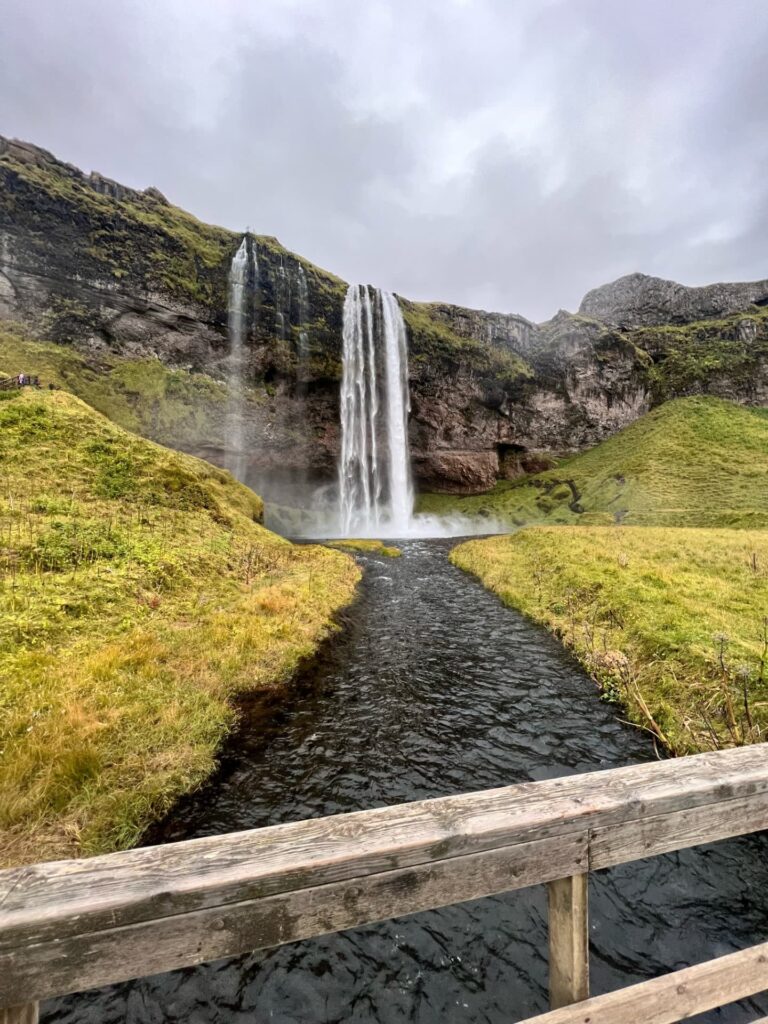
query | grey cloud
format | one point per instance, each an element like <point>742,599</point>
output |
<point>506,153</point>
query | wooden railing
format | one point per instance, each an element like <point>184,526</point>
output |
<point>8,383</point>
<point>73,925</point>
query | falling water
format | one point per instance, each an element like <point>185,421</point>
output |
<point>302,293</point>
<point>398,407</point>
<point>237,324</point>
<point>235,424</point>
<point>375,497</point>
<point>282,299</point>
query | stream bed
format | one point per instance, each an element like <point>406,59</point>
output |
<point>433,688</point>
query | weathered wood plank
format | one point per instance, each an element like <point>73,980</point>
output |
<point>28,1014</point>
<point>673,997</point>
<point>150,947</point>
<point>568,940</point>
<point>651,835</point>
<point>72,897</point>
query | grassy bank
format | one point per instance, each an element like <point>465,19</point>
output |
<point>673,623</point>
<point>139,593</point>
<point>174,407</point>
<point>371,547</point>
<point>691,462</point>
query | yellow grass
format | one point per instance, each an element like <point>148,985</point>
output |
<point>671,622</point>
<point>138,595</point>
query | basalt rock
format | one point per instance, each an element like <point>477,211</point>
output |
<point>89,263</point>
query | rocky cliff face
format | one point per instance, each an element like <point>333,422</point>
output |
<point>107,270</point>
<point>641,301</point>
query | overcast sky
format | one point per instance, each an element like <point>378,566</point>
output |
<point>508,154</point>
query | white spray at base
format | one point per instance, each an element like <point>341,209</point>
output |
<point>235,418</point>
<point>374,475</point>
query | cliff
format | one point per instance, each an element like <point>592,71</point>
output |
<point>641,301</point>
<point>134,288</point>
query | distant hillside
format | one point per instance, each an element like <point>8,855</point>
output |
<point>138,594</point>
<point>691,462</point>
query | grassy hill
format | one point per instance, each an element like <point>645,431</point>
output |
<point>174,407</point>
<point>673,623</point>
<point>691,462</point>
<point>138,594</point>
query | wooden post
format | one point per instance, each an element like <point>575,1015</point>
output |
<point>20,1014</point>
<point>568,940</point>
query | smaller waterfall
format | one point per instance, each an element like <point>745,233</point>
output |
<point>282,300</point>
<point>235,419</point>
<point>302,351</point>
<point>375,496</point>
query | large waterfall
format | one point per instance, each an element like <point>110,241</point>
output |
<point>375,490</point>
<point>237,309</point>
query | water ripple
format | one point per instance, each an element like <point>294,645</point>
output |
<point>435,688</point>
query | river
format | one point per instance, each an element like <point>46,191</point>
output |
<point>432,688</point>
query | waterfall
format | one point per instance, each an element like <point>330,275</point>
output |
<point>235,419</point>
<point>398,407</point>
<point>375,496</point>
<point>302,294</point>
<point>282,300</point>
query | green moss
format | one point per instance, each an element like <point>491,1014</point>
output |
<point>694,357</point>
<point>174,407</point>
<point>691,462</point>
<point>432,340</point>
<point>155,243</point>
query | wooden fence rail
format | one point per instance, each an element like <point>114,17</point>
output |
<point>72,925</point>
<point>8,383</point>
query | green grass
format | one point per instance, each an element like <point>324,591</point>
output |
<point>174,407</point>
<point>691,462</point>
<point>673,623</point>
<point>138,594</point>
<point>372,547</point>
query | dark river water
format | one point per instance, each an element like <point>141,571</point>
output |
<point>434,688</point>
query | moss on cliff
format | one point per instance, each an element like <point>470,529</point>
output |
<point>114,236</point>
<point>728,354</point>
<point>174,407</point>
<point>128,235</point>
<point>432,341</point>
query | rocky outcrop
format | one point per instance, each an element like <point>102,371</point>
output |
<point>109,270</point>
<point>641,301</point>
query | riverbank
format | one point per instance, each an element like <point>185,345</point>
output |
<point>139,595</point>
<point>696,461</point>
<point>670,622</point>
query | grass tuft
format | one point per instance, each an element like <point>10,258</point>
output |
<point>372,547</point>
